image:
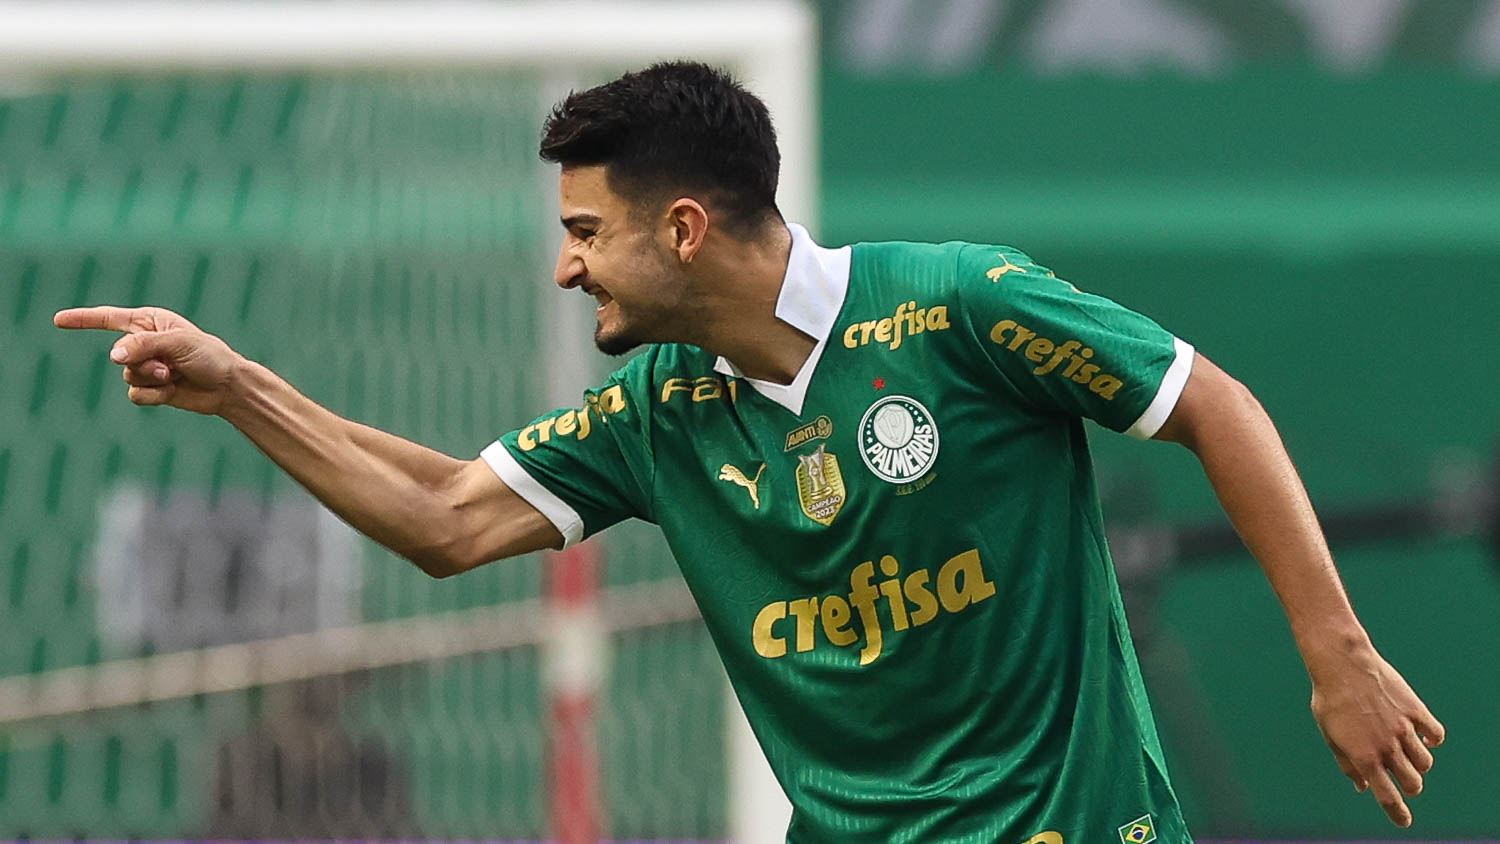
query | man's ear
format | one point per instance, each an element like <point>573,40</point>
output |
<point>688,220</point>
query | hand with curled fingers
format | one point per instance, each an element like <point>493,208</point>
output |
<point>1379,730</point>
<point>167,360</point>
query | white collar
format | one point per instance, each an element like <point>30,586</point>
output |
<point>812,292</point>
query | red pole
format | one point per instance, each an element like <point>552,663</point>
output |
<point>575,660</point>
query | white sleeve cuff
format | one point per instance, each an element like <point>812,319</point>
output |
<point>1167,394</point>
<point>564,518</point>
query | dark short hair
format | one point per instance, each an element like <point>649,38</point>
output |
<point>673,128</point>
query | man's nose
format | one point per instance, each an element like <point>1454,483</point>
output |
<point>569,271</point>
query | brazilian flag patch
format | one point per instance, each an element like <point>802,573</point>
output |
<point>1139,831</point>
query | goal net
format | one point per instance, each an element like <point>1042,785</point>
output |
<point>189,645</point>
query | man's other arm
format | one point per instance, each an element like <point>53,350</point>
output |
<point>444,514</point>
<point>1375,724</point>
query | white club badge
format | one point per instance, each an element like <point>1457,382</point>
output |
<point>898,439</point>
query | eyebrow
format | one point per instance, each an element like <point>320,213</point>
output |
<point>580,220</point>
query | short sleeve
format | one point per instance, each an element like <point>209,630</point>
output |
<point>588,467</point>
<point>1061,350</point>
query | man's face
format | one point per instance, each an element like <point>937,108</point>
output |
<point>614,254</point>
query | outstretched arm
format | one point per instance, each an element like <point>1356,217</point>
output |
<point>1375,724</point>
<point>445,515</point>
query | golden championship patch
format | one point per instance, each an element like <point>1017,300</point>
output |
<point>820,486</point>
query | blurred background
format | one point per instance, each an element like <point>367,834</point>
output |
<point>1307,190</point>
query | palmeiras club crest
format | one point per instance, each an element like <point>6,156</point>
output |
<point>820,486</point>
<point>898,439</point>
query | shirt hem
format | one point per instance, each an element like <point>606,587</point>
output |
<point>563,517</point>
<point>1167,394</point>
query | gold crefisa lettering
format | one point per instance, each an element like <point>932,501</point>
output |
<point>577,424</point>
<point>862,616</point>
<point>1050,354</point>
<point>612,400</point>
<point>762,632</point>
<point>893,330</point>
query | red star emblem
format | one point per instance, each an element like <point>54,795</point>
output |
<point>880,383</point>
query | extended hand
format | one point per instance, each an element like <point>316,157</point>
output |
<point>1377,727</point>
<point>167,359</point>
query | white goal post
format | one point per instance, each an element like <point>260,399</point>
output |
<point>770,44</point>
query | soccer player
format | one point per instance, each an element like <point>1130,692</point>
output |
<point>871,465</point>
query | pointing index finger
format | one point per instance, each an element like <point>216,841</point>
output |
<point>104,317</point>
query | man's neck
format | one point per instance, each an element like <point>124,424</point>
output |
<point>739,319</point>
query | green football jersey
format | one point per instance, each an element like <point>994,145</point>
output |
<point>900,555</point>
